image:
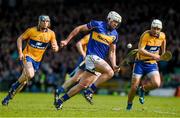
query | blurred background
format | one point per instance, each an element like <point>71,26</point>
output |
<point>17,15</point>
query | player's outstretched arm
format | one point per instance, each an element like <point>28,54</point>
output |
<point>73,34</point>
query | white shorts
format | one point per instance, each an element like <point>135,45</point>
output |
<point>90,62</point>
<point>149,75</point>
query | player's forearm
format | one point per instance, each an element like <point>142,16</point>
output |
<point>73,34</point>
<point>56,49</point>
<point>112,58</point>
<point>55,46</point>
<point>163,47</point>
<point>76,31</point>
<point>19,45</point>
<point>143,51</point>
<point>80,49</point>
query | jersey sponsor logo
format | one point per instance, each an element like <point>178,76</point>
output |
<point>152,48</point>
<point>103,38</point>
<point>37,44</point>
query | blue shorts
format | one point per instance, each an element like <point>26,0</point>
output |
<point>142,68</point>
<point>35,64</point>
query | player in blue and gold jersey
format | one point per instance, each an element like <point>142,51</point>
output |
<point>151,43</point>
<point>79,69</point>
<point>37,39</point>
<point>80,66</point>
<point>102,43</point>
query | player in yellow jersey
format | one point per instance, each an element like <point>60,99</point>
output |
<point>151,43</point>
<point>37,39</point>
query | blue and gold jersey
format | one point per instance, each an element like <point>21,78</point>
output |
<point>151,44</point>
<point>100,38</point>
<point>37,42</point>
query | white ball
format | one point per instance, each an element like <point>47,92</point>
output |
<point>129,45</point>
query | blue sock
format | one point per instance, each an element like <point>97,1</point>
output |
<point>93,88</point>
<point>65,97</point>
<point>61,90</point>
<point>13,88</point>
<point>15,85</point>
<point>129,106</point>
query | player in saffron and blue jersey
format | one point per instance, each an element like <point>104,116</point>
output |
<point>37,38</point>
<point>102,43</point>
<point>151,43</point>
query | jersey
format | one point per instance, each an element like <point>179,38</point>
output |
<point>37,42</point>
<point>100,38</point>
<point>151,44</point>
<point>84,41</point>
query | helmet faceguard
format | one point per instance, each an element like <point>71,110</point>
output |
<point>114,16</point>
<point>43,18</point>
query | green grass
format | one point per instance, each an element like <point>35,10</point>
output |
<point>41,105</point>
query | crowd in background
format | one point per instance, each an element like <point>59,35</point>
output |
<point>18,15</point>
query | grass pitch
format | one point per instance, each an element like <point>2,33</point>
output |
<point>41,105</point>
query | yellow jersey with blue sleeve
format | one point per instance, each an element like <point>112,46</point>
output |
<point>37,42</point>
<point>101,37</point>
<point>151,44</point>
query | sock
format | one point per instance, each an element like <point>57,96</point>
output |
<point>15,85</point>
<point>141,91</point>
<point>61,90</point>
<point>65,97</point>
<point>129,106</point>
<point>93,88</point>
<point>13,89</point>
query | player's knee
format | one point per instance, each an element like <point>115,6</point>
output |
<point>110,73</point>
<point>134,87</point>
<point>29,75</point>
<point>82,85</point>
<point>85,83</point>
<point>157,84</point>
<point>75,79</point>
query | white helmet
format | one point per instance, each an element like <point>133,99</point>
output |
<point>156,23</point>
<point>114,16</point>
